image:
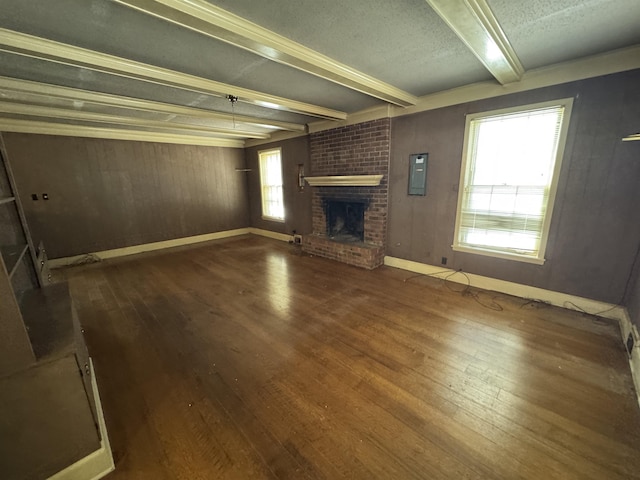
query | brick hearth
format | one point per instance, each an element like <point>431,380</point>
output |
<point>361,149</point>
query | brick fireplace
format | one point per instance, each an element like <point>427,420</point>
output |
<point>361,149</point>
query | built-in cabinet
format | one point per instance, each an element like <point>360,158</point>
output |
<point>16,277</point>
<point>50,416</point>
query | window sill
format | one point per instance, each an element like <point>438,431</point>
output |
<point>273,219</point>
<point>502,255</point>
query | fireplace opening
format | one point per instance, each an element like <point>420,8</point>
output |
<point>345,220</point>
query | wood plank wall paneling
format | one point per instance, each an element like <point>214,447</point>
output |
<point>595,230</point>
<point>297,204</point>
<point>106,194</point>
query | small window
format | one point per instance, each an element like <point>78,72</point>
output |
<point>271,185</point>
<point>510,168</point>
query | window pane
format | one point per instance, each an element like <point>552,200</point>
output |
<point>271,184</point>
<point>516,149</point>
<point>508,173</point>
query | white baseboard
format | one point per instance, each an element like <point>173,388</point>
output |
<point>148,247</point>
<point>269,234</point>
<point>175,242</point>
<point>99,463</point>
<point>607,310</point>
<point>564,300</point>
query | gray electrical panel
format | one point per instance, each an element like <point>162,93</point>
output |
<point>418,174</point>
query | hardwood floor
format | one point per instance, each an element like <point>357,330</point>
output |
<point>245,359</point>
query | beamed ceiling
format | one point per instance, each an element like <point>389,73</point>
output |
<point>163,70</point>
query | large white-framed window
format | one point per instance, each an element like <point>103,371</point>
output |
<point>271,184</point>
<point>508,181</point>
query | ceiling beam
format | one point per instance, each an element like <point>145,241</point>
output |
<point>207,19</point>
<point>475,24</point>
<point>621,60</point>
<point>20,109</point>
<point>46,92</point>
<point>49,50</point>
<point>632,137</point>
<point>49,128</point>
<point>616,61</point>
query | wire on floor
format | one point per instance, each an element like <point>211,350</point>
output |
<point>580,309</point>
<point>466,290</point>
<point>624,294</point>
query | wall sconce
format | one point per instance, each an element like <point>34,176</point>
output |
<point>300,177</point>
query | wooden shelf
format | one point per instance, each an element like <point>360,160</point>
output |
<point>12,255</point>
<point>345,181</point>
<point>7,200</point>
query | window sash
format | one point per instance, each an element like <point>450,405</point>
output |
<point>510,215</point>
<point>271,185</point>
<point>508,218</point>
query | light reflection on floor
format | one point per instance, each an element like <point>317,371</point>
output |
<point>278,283</point>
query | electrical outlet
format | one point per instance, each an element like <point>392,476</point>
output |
<point>630,343</point>
<point>297,239</point>
<point>444,260</point>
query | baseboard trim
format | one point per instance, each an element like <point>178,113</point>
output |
<point>175,242</point>
<point>148,247</point>
<point>269,234</point>
<point>558,299</point>
<point>564,300</point>
<point>99,463</point>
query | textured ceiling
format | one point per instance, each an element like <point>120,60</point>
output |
<point>403,44</point>
<point>545,32</point>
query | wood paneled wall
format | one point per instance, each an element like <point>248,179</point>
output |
<point>595,230</point>
<point>106,194</point>
<point>297,204</point>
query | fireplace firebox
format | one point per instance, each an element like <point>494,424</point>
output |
<point>345,219</point>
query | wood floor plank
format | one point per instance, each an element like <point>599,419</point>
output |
<point>245,359</point>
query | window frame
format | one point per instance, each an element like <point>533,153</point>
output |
<point>261,168</point>
<point>467,154</point>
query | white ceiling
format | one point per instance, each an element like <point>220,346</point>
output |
<point>171,63</point>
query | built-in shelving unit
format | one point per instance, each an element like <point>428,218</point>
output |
<point>12,255</point>
<point>50,405</point>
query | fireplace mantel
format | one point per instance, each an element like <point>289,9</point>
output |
<point>345,181</point>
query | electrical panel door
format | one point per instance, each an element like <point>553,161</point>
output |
<point>418,174</point>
